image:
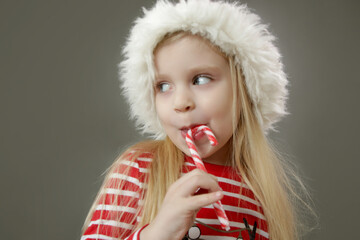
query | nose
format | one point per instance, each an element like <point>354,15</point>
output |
<point>183,100</point>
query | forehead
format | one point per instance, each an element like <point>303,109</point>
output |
<point>187,50</point>
<point>176,36</point>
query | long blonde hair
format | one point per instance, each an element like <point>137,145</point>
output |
<point>254,157</point>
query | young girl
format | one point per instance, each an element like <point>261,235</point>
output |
<point>187,64</point>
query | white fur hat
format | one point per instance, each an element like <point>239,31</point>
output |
<point>232,27</point>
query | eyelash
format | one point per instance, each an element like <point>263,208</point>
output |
<point>159,85</point>
<point>201,76</point>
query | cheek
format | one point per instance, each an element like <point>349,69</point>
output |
<point>160,108</point>
<point>219,105</point>
<point>219,109</point>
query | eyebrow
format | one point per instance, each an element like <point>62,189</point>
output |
<point>205,68</point>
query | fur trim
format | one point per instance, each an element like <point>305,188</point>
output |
<point>232,27</point>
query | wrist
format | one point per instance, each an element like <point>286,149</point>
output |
<point>148,233</point>
<point>152,232</point>
<point>136,235</point>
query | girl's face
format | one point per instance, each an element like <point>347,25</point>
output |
<point>193,86</point>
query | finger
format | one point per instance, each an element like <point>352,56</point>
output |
<point>202,181</point>
<point>188,184</point>
<point>199,201</point>
<point>190,174</point>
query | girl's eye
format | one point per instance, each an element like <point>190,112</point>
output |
<point>201,79</point>
<point>163,87</point>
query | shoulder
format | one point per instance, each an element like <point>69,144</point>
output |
<point>133,163</point>
<point>136,158</point>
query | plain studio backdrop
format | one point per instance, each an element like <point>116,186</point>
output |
<point>63,120</point>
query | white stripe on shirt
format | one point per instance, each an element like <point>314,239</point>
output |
<point>121,192</point>
<point>236,195</point>
<point>97,236</point>
<point>232,182</point>
<point>115,208</point>
<point>144,159</point>
<point>127,178</point>
<point>112,223</point>
<point>240,210</point>
<point>135,165</point>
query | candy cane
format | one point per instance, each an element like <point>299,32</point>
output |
<point>219,209</point>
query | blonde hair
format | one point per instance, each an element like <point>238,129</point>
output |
<point>254,157</point>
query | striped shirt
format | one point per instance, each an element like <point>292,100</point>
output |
<point>239,202</point>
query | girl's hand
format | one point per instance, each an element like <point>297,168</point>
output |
<point>181,204</point>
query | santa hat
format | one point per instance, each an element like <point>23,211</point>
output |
<point>231,27</point>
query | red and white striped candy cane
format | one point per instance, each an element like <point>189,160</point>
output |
<point>219,209</point>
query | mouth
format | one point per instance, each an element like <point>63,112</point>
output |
<point>185,129</point>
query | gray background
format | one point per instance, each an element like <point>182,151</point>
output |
<point>63,120</point>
